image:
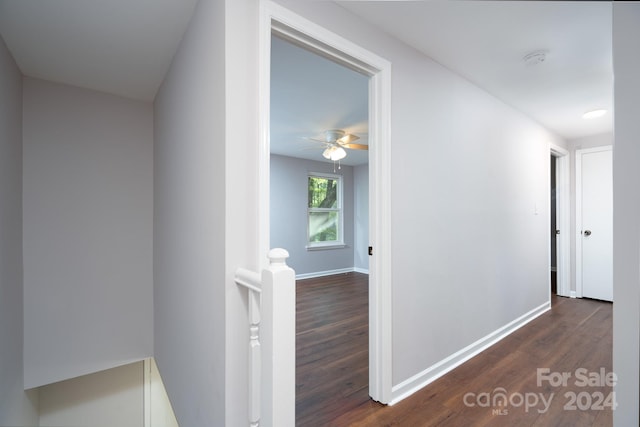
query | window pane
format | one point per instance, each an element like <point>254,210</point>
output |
<point>323,192</point>
<point>323,226</point>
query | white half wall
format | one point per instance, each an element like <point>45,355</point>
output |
<point>626,212</point>
<point>88,186</point>
<point>16,407</point>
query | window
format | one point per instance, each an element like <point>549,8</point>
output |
<point>324,214</point>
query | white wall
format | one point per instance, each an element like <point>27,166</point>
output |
<point>361,217</point>
<point>289,192</point>
<point>16,407</point>
<point>88,185</point>
<point>470,217</point>
<point>104,399</point>
<point>470,203</point>
<point>626,211</point>
<point>189,222</point>
<point>573,145</point>
<point>205,213</point>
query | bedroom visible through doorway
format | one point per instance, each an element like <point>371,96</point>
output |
<point>277,22</point>
<point>319,212</point>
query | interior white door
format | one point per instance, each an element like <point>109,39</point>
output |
<point>594,197</point>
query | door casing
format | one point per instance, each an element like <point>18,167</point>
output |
<point>298,30</point>
<point>563,208</point>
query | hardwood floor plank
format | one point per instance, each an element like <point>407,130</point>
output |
<point>332,367</point>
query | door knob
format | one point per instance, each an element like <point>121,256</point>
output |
<point>587,232</point>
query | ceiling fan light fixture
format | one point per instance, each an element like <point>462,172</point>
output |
<point>332,135</point>
<point>594,114</point>
<point>338,154</point>
<point>334,153</point>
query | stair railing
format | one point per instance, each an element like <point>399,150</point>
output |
<point>272,333</point>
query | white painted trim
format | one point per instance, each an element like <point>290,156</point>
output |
<point>557,150</point>
<point>264,142</point>
<point>331,273</point>
<point>325,246</point>
<point>420,380</point>
<point>563,219</point>
<point>324,273</point>
<point>277,19</point>
<point>361,270</point>
<point>335,244</point>
<point>380,285</point>
<point>578,242</point>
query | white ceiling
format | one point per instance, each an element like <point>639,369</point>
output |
<point>311,94</point>
<point>125,47</point>
<point>122,47</point>
<point>485,41</point>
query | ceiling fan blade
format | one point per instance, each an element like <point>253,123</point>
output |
<point>348,139</point>
<point>313,139</point>
<point>356,146</point>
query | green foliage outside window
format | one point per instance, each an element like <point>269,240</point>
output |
<point>324,209</point>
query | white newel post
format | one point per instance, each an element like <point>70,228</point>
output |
<point>278,341</point>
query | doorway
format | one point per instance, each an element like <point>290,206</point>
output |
<point>276,20</point>
<point>554,231</point>
<point>319,213</point>
<point>559,219</point>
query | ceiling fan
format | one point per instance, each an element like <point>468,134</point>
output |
<point>335,141</point>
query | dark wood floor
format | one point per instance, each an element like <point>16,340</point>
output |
<point>332,367</point>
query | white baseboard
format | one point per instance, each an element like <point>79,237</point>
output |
<point>573,294</point>
<point>331,272</point>
<point>418,381</point>
<point>324,273</point>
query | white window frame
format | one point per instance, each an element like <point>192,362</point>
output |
<point>333,244</point>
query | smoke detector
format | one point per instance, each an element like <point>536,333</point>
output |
<point>535,58</point>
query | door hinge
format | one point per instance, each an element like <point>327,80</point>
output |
<point>370,250</point>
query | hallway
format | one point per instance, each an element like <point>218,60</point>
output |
<point>332,374</point>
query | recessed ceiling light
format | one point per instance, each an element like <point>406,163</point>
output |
<point>594,114</point>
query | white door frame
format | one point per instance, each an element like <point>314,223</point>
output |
<point>563,215</point>
<point>274,19</point>
<point>579,240</point>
